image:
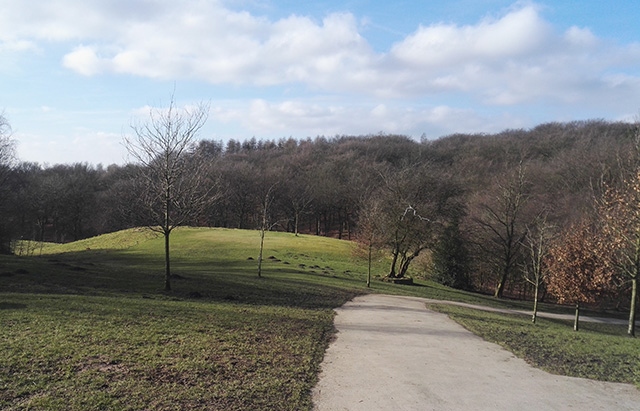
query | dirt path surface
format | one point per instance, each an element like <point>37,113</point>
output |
<point>391,353</point>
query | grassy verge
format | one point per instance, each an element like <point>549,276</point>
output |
<point>598,351</point>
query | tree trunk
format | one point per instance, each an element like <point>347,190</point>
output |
<point>535,304</point>
<point>369,269</point>
<point>394,261</point>
<point>42,227</point>
<point>296,218</point>
<point>260,255</point>
<point>405,265</point>
<point>167,231</point>
<point>326,218</point>
<point>503,280</point>
<point>632,310</point>
<point>167,262</point>
<point>263,228</point>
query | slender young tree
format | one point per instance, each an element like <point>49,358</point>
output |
<point>265,224</point>
<point>299,194</point>
<point>174,186</point>
<point>370,229</point>
<point>536,244</point>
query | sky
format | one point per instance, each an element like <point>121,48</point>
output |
<point>76,74</point>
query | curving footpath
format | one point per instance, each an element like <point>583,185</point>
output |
<point>391,353</point>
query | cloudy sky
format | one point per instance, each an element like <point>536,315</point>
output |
<point>75,74</point>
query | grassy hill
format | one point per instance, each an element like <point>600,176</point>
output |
<point>86,325</point>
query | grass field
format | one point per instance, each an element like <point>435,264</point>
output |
<point>86,325</point>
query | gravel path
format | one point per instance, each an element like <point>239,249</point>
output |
<point>391,353</point>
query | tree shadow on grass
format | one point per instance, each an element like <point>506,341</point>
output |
<point>12,306</point>
<point>225,281</point>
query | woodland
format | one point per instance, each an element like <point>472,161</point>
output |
<point>550,213</point>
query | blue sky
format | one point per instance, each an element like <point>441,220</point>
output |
<point>75,74</point>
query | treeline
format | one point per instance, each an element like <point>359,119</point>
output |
<point>463,201</point>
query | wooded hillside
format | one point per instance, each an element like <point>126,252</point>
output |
<point>477,194</point>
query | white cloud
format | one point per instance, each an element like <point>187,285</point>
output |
<point>513,58</point>
<point>500,60</point>
<point>519,33</point>
<point>83,60</point>
<point>581,37</point>
<point>194,39</point>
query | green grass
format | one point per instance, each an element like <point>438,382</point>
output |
<point>107,242</point>
<point>87,325</point>
<point>598,351</point>
<point>79,352</point>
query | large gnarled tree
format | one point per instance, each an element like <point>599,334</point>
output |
<point>416,202</point>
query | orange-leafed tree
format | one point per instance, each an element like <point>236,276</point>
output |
<point>620,211</point>
<point>578,273</point>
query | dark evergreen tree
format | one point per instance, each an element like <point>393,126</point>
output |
<point>451,259</point>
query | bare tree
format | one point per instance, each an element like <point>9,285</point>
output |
<point>7,152</point>
<point>416,201</point>
<point>500,222</point>
<point>370,229</point>
<point>7,147</point>
<point>299,194</point>
<point>406,203</point>
<point>265,223</point>
<point>174,182</point>
<point>536,244</point>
